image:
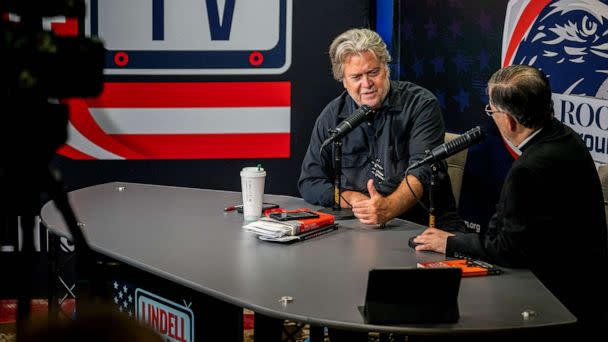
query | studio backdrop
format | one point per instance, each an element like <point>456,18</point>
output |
<point>453,47</point>
<point>197,90</point>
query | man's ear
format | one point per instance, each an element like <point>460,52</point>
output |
<point>511,122</point>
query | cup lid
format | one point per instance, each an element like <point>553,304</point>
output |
<point>253,171</point>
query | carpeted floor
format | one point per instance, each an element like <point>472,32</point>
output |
<point>8,314</point>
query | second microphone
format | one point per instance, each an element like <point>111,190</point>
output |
<point>344,127</point>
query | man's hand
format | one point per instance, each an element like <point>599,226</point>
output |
<point>375,210</point>
<point>349,198</point>
<point>432,239</point>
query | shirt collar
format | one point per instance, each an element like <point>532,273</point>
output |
<point>392,102</point>
<point>519,148</point>
<point>521,145</point>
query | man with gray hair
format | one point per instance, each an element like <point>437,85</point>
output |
<point>550,215</point>
<point>407,122</point>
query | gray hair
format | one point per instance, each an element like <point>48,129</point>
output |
<point>524,92</point>
<point>356,41</point>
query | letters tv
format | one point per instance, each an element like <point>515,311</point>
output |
<point>192,36</point>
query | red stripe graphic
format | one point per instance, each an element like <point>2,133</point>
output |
<point>82,120</point>
<point>70,152</point>
<point>527,18</point>
<point>187,95</point>
<point>67,29</point>
<point>208,146</point>
<point>137,95</point>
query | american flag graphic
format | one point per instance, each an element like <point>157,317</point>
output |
<point>172,120</point>
<point>173,321</point>
<point>124,298</point>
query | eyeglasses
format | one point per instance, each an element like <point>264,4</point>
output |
<point>489,110</point>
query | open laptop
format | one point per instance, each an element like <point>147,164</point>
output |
<point>412,295</point>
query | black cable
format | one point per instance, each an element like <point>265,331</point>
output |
<point>348,203</point>
<point>413,193</point>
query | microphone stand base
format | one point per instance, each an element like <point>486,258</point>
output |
<point>339,214</point>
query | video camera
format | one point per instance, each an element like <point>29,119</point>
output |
<point>40,68</point>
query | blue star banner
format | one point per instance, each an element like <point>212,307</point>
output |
<point>452,48</point>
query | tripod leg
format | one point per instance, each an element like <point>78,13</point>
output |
<point>85,264</point>
<point>25,267</point>
<point>53,273</point>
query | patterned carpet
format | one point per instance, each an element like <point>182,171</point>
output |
<point>8,314</point>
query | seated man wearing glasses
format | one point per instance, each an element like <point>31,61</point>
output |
<point>550,216</point>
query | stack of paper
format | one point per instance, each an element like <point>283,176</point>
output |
<point>269,229</point>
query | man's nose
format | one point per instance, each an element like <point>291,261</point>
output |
<point>367,81</point>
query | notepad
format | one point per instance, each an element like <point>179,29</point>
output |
<point>469,267</point>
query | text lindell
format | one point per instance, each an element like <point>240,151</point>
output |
<point>166,323</point>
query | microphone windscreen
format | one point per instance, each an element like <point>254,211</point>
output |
<point>467,139</point>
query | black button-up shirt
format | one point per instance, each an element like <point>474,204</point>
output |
<point>408,123</point>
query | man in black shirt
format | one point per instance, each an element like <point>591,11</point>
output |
<point>407,122</point>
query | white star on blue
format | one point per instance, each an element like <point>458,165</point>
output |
<point>484,60</point>
<point>438,64</point>
<point>418,67</point>
<point>463,99</point>
<point>461,63</point>
<point>431,29</point>
<point>456,28</point>
<point>440,98</point>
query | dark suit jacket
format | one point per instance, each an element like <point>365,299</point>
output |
<point>550,219</point>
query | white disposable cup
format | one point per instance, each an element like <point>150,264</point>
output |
<point>252,186</point>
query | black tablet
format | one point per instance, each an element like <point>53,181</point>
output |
<point>412,295</point>
<point>295,215</point>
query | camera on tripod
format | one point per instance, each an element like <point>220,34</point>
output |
<point>40,68</point>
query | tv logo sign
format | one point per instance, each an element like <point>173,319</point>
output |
<point>193,36</point>
<point>568,40</point>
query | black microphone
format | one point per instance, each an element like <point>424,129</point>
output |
<point>452,147</point>
<point>344,127</point>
